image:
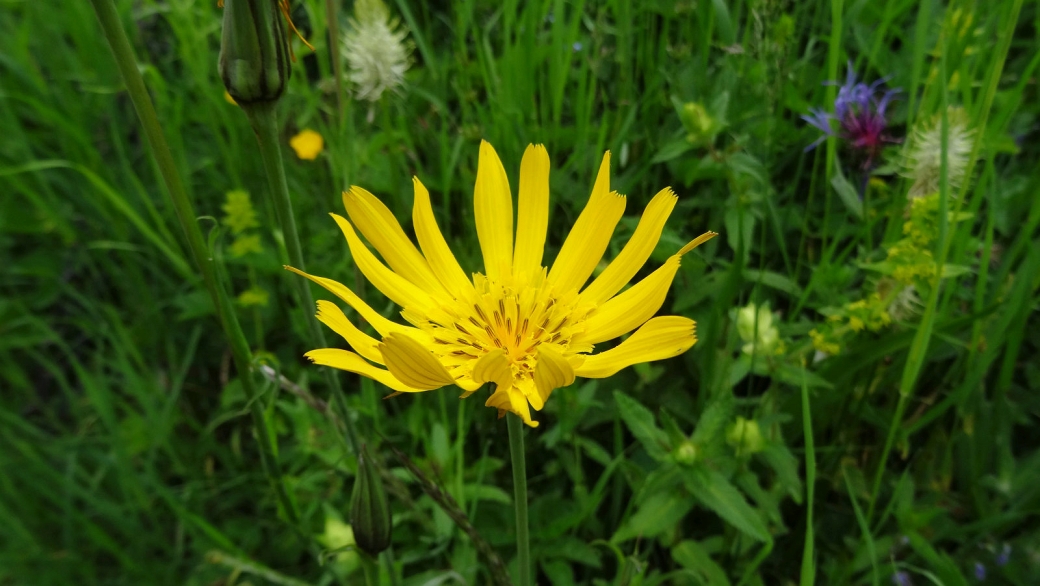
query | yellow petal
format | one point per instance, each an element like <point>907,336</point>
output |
<point>551,372</point>
<point>629,310</point>
<point>413,364</point>
<point>379,226</point>
<point>436,250</point>
<point>513,400</point>
<point>394,286</point>
<point>331,315</point>
<point>636,251</point>
<point>346,360</point>
<point>374,318</point>
<point>532,217</point>
<point>590,236</point>
<point>493,212</point>
<point>660,338</point>
<point>493,367</point>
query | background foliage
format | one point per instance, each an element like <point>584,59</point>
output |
<point>126,451</point>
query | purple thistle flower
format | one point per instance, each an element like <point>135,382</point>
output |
<point>860,113</point>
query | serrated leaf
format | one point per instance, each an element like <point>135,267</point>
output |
<point>640,422</point>
<point>715,492</point>
<point>713,421</point>
<point>658,513</point>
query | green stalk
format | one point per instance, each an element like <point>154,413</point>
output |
<point>264,121</point>
<point>516,454</point>
<point>808,556</point>
<point>332,22</point>
<point>833,54</point>
<point>127,64</point>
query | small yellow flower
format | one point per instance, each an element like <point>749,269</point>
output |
<point>308,144</point>
<point>239,212</point>
<point>246,244</point>
<point>524,327</point>
<point>254,296</point>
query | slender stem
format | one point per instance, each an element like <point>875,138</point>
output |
<point>388,561</point>
<point>808,555</point>
<point>127,64</point>
<point>265,124</point>
<point>337,69</point>
<point>516,454</point>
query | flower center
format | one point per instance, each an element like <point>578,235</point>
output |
<point>515,319</point>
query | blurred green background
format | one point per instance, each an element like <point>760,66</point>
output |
<point>127,455</point>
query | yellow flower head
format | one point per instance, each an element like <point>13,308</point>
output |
<point>308,144</point>
<point>525,328</point>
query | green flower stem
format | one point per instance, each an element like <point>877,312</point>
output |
<point>264,119</point>
<point>516,454</point>
<point>332,22</point>
<point>127,64</point>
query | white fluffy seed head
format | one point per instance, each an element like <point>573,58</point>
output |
<point>923,160</point>
<point>376,50</point>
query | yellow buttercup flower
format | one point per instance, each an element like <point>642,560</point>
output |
<point>525,328</point>
<point>308,144</point>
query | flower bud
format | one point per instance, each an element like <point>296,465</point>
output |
<point>745,436</point>
<point>686,453</point>
<point>254,51</point>
<point>700,126</point>
<point>369,509</point>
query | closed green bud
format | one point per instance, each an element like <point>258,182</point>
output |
<point>745,436</point>
<point>701,127</point>
<point>254,51</point>
<point>686,453</point>
<point>369,509</point>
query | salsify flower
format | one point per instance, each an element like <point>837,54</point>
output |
<point>524,327</point>
<point>861,117</point>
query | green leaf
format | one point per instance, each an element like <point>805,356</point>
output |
<point>794,375</point>
<point>724,22</point>
<point>774,281</point>
<point>715,492</point>
<point>657,514</point>
<point>783,462</point>
<point>713,421</point>
<point>847,192</point>
<point>691,555</point>
<point>486,492</point>
<point>672,150</point>
<point>640,422</point>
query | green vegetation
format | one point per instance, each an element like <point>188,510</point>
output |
<point>861,406</point>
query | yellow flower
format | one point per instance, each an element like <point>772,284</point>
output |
<point>308,144</point>
<point>526,328</point>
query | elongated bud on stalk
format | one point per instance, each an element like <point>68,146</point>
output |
<point>254,51</point>
<point>369,509</point>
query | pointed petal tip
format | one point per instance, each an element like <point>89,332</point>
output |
<point>697,242</point>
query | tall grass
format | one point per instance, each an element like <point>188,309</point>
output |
<point>127,453</point>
